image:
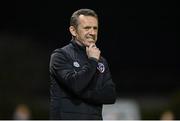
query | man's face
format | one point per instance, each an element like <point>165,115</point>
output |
<point>87,30</point>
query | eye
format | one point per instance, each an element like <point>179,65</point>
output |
<point>95,28</point>
<point>87,27</point>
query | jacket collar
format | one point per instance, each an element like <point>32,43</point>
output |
<point>77,46</point>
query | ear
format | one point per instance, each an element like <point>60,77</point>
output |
<point>72,29</point>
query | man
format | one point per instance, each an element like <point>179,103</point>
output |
<point>80,78</point>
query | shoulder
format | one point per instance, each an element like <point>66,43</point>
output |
<point>64,53</point>
<point>59,55</point>
<point>63,50</point>
<point>103,59</point>
<point>67,48</point>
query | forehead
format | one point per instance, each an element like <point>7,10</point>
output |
<point>89,20</point>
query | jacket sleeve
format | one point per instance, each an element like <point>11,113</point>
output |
<point>62,69</point>
<point>104,94</point>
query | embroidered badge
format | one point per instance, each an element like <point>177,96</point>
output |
<point>76,64</point>
<point>101,67</point>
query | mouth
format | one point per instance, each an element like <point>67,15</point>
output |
<point>88,43</point>
<point>91,39</point>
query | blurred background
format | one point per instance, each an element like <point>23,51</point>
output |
<point>138,39</point>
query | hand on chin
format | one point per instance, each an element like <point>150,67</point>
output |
<point>88,42</point>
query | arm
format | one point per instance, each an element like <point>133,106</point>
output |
<point>63,71</point>
<point>105,93</point>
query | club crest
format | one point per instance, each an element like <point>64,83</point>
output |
<point>101,67</point>
<point>76,64</point>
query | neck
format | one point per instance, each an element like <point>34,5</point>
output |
<point>79,43</point>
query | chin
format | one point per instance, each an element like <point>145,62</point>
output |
<point>87,45</point>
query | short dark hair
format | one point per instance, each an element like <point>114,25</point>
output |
<point>85,12</point>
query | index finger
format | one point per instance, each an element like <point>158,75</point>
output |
<point>92,45</point>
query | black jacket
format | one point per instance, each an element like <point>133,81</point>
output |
<point>79,85</point>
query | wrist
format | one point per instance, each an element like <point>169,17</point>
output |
<point>93,58</point>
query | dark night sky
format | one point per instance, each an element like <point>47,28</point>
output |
<point>138,38</point>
